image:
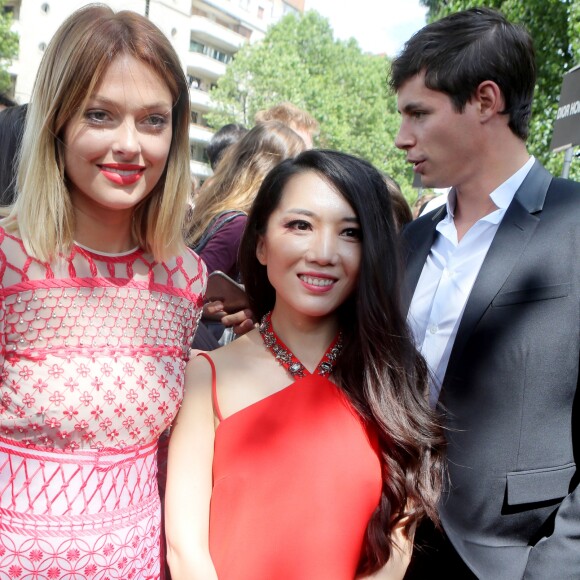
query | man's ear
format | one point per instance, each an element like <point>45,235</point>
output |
<point>261,253</point>
<point>490,99</point>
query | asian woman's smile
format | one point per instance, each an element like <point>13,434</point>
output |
<point>311,247</point>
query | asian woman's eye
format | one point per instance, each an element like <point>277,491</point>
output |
<point>300,225</point>
<point>354,233</point>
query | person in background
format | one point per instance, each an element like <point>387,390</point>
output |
<point>298,120</point>
<point>6,102</point>
<point>493,287</point>
<point>439,200</point>
<point>421,202</point>
<point>221,140</point>
<point>306,448</point>
<point>100,299</point>
<point>11,129</point>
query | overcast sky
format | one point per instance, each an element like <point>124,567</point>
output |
<point>379,26</point>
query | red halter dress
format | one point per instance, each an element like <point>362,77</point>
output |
<point>296,478</point>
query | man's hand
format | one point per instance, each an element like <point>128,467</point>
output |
<point>241,321</point>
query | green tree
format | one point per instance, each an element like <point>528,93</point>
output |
<point>346,90</point>
<point>8,47</point>
<point>555,27</point>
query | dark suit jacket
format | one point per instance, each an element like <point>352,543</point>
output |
<point>510,392</point>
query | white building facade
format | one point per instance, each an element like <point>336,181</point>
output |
<point>205,34</point>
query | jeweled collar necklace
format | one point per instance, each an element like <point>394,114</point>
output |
<point>285,357</point>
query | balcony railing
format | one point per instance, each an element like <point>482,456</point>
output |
<point>199,133</point>
<point>207,31</point>
<point>205,66</point>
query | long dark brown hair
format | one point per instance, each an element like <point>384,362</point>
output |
<point>379,369</point>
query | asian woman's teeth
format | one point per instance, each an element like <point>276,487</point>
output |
<point>317,281</point>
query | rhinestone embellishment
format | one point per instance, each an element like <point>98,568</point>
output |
<point>288,360</point>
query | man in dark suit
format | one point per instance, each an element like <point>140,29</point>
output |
<point>493,293</point>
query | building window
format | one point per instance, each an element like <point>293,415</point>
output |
<point>197,151</point>
<point>261,12</point>
<point>287,9</point>
<point>194,82</point>
<point>219,55</point>
<point>197,118</point>
<point>12,8</point>
<point>245,4</point>
<point>195,46</point>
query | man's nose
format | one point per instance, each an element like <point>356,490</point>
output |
<point>404,138</point>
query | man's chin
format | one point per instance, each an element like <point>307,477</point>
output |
<point>431,182</point>
<point>426,181</point>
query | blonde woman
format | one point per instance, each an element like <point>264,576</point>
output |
<point>100,298</point>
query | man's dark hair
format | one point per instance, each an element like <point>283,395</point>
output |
<point>460,51</point>
<point>222,139</point>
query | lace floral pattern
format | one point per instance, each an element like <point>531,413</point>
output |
<point>93,350</point>
<point>82,515</point>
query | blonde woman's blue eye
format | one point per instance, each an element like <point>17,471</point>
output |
<point>157,120</point>
<point>96,116</point>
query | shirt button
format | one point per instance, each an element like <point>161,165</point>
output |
<point>433,328</point>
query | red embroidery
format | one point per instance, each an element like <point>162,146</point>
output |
<point>93,352</point>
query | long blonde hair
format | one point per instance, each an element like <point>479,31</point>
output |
<point>240,172</point>
<point>71,69</point>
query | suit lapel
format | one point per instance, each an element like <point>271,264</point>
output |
<point>510,241</point>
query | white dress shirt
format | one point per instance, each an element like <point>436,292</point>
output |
<point>448,276</point>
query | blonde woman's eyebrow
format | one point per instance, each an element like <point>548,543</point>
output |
<point>101,100</point>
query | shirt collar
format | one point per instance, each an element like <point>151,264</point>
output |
<point>503,195</point>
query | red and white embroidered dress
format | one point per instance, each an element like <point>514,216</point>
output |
<point>93,351</point>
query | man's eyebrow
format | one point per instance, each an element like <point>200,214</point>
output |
<point>412,106</point>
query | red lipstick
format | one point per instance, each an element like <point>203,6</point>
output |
<point>122,173</point>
